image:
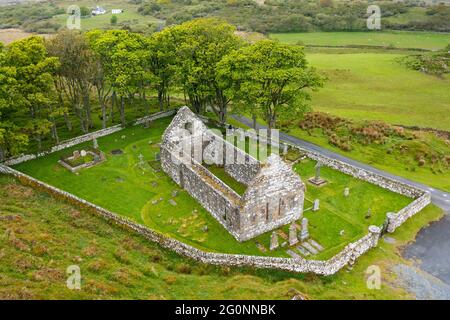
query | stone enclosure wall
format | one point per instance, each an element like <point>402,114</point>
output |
<point>347,256</point>
<point>394,219</point>
<point>87,137</point>
<point>274,195</point>
<point>215,196</point>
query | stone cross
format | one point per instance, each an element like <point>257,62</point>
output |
<point>274,241</point>
<point>317,167</point>
<point>95,143</point>
<point>316,205</point>
<point>305,233</point>
<point>293,234</point>
<point>346,192</point>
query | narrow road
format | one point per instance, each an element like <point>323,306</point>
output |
<point>431,248</point>
<point>438,197</point>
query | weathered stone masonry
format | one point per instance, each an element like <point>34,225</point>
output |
<point>347,256</point>
<point>274,195</point>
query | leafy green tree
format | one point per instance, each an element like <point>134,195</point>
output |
<point>162,48</point>
<point>33,86</point>
<point>12,140</point>
<point>114,20</point>
<point>124,56</point>
<point>271,78</point>
<point>85,12</point>
<point>74,76</point>
<point>202,44</point>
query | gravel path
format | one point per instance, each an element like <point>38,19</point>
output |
<point>421,284</point>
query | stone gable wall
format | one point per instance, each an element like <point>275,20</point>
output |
<point>347,256</point>
<point>215,196</point>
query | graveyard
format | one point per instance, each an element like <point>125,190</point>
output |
<point>129,181</point>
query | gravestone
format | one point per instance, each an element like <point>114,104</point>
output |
<point>293,235</point>
<point>316,205</point>
<point>141,159</point>
<point>305,233</point>
<point>95,143</point>
<point>368,214</point>
<point>76,154</point>
<point>274,241</point>
<point>285,148</point>
<point>83,153</point>
<point>342,232</point>
<point>346,192</point>
<point>317,180</point>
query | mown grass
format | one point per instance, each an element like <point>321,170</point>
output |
<point>42,236</point>
<point>397,39</point>
<point>348,214</point>
<point>145,194</point>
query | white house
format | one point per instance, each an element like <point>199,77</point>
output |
<point>98,11</point>
<point>116,11</point>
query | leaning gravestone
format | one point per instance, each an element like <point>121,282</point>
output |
<point>274,241</point>
<point>368,214</point>
<point>95,143</point>
<point>346,192</point>
<point>293,235</point>
<point>316,205</point>
<point>305,233</point>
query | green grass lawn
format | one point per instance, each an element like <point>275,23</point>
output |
<point>220,173</point>
<point>338,212</point>
<point>47,235</point>
<point>398,39</point>
<point>143,193</point>
<point>373,86</point>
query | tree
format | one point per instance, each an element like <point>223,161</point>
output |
<point>202,44</point>
<point>34,95</point>
<point>162,58</point>
<point>270,77</point>
<point>123,59</point>
<point>75,74</point>
<point>12,140</point>
<point>114,20</point>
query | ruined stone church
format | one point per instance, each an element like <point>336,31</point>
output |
<point>274,195</point>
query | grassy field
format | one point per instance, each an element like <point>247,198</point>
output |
<point>42,236</point>
<point>153,199</point>
<point>374,86</point>
<point>129,17</point>
<point>397,39</point>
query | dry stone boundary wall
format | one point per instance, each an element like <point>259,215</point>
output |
<point>87,137</point>
<point>345,257</point>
